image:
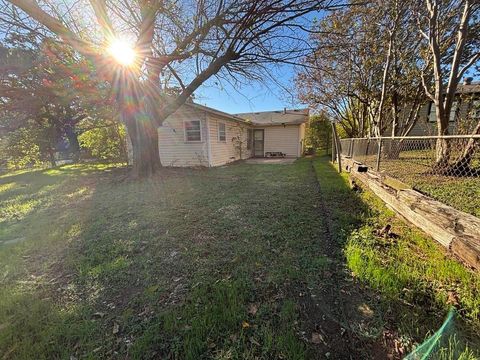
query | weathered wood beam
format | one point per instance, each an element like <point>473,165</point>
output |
<point>457,231</point>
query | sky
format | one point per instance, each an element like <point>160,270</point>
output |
<point>251,97</point>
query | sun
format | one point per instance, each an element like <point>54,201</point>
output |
<point>122,52</point>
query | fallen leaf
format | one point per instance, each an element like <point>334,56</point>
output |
<point>116,328</point>
<point>452,298</point>
<point>317,338</point>
<point>252,309</point>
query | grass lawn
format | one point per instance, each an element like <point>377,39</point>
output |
<point>244,261</point>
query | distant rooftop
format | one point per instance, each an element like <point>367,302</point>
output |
<point>472,88</point>
<point>280,117</point>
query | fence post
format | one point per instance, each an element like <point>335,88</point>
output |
<point>328,142</point>
<point>337,147</point>
<point>379,153</point>
<point>333,146</point>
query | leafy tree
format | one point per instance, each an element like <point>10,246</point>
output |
<point>451,48</point>
<point>105,142</point>
<point>20,151</point>
<point>364,68</point>
<point>44,85</point>
<point>318,132</point>
<point>176,43</point>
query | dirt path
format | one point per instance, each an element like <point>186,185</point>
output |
<point>342,312</point>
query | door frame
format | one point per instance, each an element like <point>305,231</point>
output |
<point>263,143</point>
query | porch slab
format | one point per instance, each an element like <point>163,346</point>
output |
<point>270,160</point>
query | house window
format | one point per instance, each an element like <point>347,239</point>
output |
<point>193,130</point>
<point>433,111</point>
<point>453,112</point>
<point>476,109</point>
<point>222,133</point>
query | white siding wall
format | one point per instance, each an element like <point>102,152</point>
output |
<point>223,152</point>
<point>426,125</point>
<point>173,149</point>
<point>283,138</point>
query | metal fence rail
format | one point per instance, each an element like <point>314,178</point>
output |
<point>412,158</point>
<point>446,168</point>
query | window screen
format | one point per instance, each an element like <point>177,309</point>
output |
<point>222,134</point>
<point>193,130</point>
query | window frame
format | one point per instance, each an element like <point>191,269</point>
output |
<point>185,131</point>
<point>452,117</point>
<point>224,132</point>
<point>475,106</point>
<point>431,111</point>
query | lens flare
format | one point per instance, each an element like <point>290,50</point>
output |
<point>122,52</point>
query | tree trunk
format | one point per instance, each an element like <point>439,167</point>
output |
<point>51,157</point>
<point>137,109</point>
<point>461,166</point>
<point>442,154</point>
<point>74,145</point>
<point>144,139</point>
<point>442,147</point>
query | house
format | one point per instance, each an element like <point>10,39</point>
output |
<point>466,106</point>
<point>197,135</point>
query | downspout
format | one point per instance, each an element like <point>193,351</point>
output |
<point>299,136</point>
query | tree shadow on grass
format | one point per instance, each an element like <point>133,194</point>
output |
<point>86,268</point>
<point>196,263</point>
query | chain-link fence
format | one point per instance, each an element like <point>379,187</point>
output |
<point>447,168</point>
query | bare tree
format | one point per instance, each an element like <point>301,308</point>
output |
<point>366,62</point>
<point>452,52</point>
<point>177,44</point>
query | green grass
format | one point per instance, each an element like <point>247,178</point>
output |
<point>244,261</point>
<point>414,167</point>
<point>174,262</point>
<point>414,275</point>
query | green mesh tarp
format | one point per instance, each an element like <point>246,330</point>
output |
<point>443,344</point>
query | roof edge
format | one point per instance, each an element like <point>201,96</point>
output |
<point>217,112</point>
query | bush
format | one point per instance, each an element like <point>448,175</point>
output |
<point>105,143</point>
<point>318,133</point>
<point>21,149</point>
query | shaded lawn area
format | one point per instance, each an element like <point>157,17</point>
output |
<point>244,261</point>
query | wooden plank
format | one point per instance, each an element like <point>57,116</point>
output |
<point>468,250</point>
<point>395,184</point>
<point>455,230</point>
<point>456,221</point>
<point>391,199</point>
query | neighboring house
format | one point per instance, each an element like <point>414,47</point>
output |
<point>466,106</point>
<point>196,135</point>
